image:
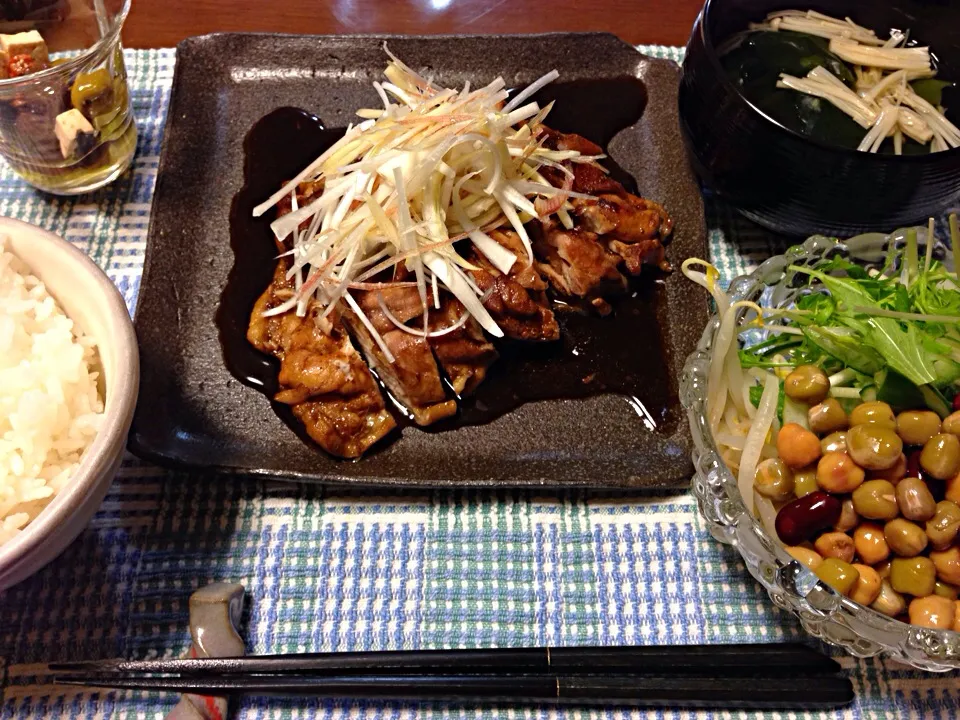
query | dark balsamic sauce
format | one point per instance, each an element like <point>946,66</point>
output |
<point>622,354</point>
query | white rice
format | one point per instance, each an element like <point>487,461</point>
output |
<point>50,407</point>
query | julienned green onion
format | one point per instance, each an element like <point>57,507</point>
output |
<point>431,167</point>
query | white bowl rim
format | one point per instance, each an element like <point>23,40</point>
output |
<point>122,388</point>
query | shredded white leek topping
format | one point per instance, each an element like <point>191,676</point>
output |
<point>431,167</point>
<point>883,103</point>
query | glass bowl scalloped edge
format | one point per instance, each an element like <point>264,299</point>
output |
<point>822,612</point>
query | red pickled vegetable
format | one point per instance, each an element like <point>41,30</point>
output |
<point>803,518</point>
<point>21,65</point>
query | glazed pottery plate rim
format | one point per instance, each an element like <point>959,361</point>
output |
<point>346,473</point>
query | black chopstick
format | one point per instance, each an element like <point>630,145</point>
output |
<point>784,693</point>
<point>727,660</point>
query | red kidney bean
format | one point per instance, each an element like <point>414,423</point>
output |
<point>913,465</point>
<point>803,518</point>
<point>956,401</point>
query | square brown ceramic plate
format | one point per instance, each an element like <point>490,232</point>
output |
<point>193,413</point>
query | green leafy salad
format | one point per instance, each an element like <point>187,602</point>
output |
<point>894,334</point>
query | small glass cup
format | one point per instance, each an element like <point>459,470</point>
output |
<point>69,128</point>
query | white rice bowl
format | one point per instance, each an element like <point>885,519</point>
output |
<point>51,402</point>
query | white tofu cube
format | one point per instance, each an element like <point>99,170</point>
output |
<point>25,43</point>
<point>74,132</point>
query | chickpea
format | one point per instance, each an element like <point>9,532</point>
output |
<point>956,616</point>
<point>940,456</point>
<point>874,447</point>
<point>913,576</point>
<point>848,517</point>
<point>835,545</point>
<point>876,499</point>
<point>915,500</point>
<point>932,611</point>
<point>807,383</point>
<point>840,575</point>
<point>947,563</point>
<point>952,489</point>
<point>915,427</point>
<point>805,481</point>
<point>837,473</point>
<point>867,587</point>
<point>942,528</point>
<point>951,424</point>
<point>797,446</point>
<point>805,556</point>
<point>774,479</point>
<point>905,538</point>
<point>889,601</point>
<point>827,417</point>
<point>875,412</point>
<point>870,544</point>
<point>945,590</point>
<point>895,473</point>
<point>834,442</point>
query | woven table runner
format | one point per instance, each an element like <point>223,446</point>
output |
<point>360,570</point>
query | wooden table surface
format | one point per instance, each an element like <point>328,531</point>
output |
<point>163,23</point>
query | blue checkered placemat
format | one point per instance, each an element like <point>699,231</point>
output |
<point>351,570</point>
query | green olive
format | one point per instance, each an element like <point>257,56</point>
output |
<point>905,538</point>
<point>805,481</point>
<point>889,601</point>
<point>807,383</point>
<point>838,574</point>
<point>942,528</point>
<point>941,456</point>
<point>774,479</point>
<point>913,576</point>
<point>915,500</point>
<point>874,447</point>
<point>873,413</point>
<point>915,427</point>
<point>876,499</point>
<point>827,417</point>
<point>92,92</point>
<point>951,424</point>
<point>834,442</point>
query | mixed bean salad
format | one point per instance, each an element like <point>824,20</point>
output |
<point>871,501</point>
<point>840,419</point>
